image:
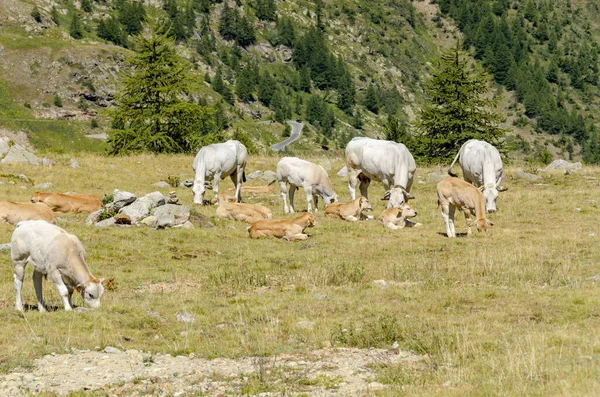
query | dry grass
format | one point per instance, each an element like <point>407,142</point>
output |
<point>514,312</point>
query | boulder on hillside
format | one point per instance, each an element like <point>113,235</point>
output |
<point>142,206</point>
<point>4,146</point>
<point>268,176</point>
<point>563,165</point>
<point>18,154</point>
<point>170,215</point>
<point>121,198</point>
<point>343,172</point>
<point>255,174</point>
<point>526,176</point>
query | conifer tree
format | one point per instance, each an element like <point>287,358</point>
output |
<point>132,15</point>
<point>457,110</point>
<point>227,22</point>
<point>110,30</point>
<point>266,88</point>
<point>76,26</point>
<point>55,15</point>
<point>244,86</point>
<point>346,90</point>
<point>86,5</point>
<point>266,10</point>
<point>286,33</point>
<point>371,99</point>
<point>151,107</point>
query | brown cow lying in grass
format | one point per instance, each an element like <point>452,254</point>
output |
<point>351,211</point>
<point>68,202</point>
<point>455,193</point>
<point>397,217</point>
<point>14,213</point>
<point>287,229</point>
<point>242,212</point>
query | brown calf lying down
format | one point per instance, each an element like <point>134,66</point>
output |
<point>68,202</point>
<point>287,229</point>
<point>397,217</point>
<point>242,212</point>
<point>351,211</point>
<point>454,193</point>
<point>14,213</point>
<point>264,189</point>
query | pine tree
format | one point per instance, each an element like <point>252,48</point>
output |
<point>286,33</point>
<point>132,15</point>
<point>151,107</point>
<point>346,91</point>
<point>245,34</point>
<point>76,26</point>
<point>244,86</point>
<point>319,12</point>
<point>266,10</point>
<point>228,23</point>
<point>458,109</point>
<point>371,99</point>
<point>266,88</point>
<point>86,5</point>
<point>305,82</point>
<point>111,30</point>
<point>207,43</point>
<point>55,15</point>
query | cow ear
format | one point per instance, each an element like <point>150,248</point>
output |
<point>386,195</point>
<point>490,223</point>
<point>361,200</point>
<point>408,195</point>
<point>102,280</point>
<point>79,287</point>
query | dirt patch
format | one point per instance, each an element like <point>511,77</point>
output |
<point>325,372</point>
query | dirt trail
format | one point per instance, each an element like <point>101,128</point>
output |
<point>327,372</point>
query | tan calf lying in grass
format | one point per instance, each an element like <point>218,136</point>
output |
<point>242,212</point>
<point>454,193</point>
<point>287,229</point>
<point>351,211</point>
<point>397,217</point>
<point>14,213</point>
<point>68,202</point>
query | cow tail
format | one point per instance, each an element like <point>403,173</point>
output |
<point>244,176</point>
<point>455,158</point>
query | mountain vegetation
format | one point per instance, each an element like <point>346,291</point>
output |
<point>347,68</point>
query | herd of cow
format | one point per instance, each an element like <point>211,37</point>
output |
<point>61,256</point>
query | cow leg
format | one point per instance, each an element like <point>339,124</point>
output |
<point>294,237</point>
<point>19,274</point>
<point>451,213</point>
<point>37,284</point>
<point>282,190</point>
<point>391,225</point>
<point>237,178</point>
<point>216,185</point>
<point>352,218</point>
<point>352,182</point>
<point>469,221</point>
<point>70,296</point>
<point>446,218</point>
<point>316,201</point>
<point>364,186</point>
<point>309,197</point>
<point>291,192</point>
<point>63,291</point>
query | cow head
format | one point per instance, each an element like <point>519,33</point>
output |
<point>364,205</point>
<point>198,190</point>
<point>483,225</point>
<point>37,196</point>
<point>407,211</point>
<point>397,196</point>
<point>91,291</point>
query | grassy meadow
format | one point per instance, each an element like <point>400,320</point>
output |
<point>513,312</point>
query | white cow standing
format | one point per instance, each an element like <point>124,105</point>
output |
<point>311,177</point>
<point>386,161</point>
<point>215,162</point>
<point>482,166</point>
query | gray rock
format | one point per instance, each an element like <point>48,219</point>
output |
<point>326,164</point>
<point>161,184</point>
<point>268,176</point>
<point>149,221</point>
<point>526,176</point>
<point>121,199</point>
<point>106,223</point>
<point>187,183</point>
<point>47,162</point>
<point>93,217</point>
<point>169,215</point>
<point>185,317</point>
<point>186,225</point>
<point>563,165</point>
<point>305,324</point>
<point>4,146</point>
<point>111,350</point>
<point>142,206</point>
<point>4,246</point>
<point>255,175</point>
<point>201,221</point>
<point>436,176</point>
<point>17,154</point>
<point>45,185</point>
<point>74,163</point>
<point>342,172</point>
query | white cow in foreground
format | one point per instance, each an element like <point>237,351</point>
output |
<point>311,177</point>
<point>386,161</point>
<point>482,166</point>
<point>57,254</point>
<point>215,162</point>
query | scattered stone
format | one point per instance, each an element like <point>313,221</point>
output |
<point>106,223</point>
<point>268,176</point>
<point>343,172</point>
<point>201,221</point>
<point>74,163</point>
<point>526,176</point>
<point>142,206</point>
<point>122,219</point>
<point>185,317</point>
<point>47,162</point>
<point>563,165</point>
<point>161,184</point>
<point>121,199</point>
<point>381,284</point>
<point>45,185</point>
<point>149,221</point>
<point>4,246</point>
<point>436,176</point>
<point>255,175</point>
<point>321,296</point>
<point>93,217</point>
<point>4,146</point>
<point>569,172</point>
<point>111,350</point>
<point>173,199</point>
<point>326,164</point>
<point>592,203</point>
<point>18,154</point>
<point>169,215</point>
<point>186,225</point>
<point>305,324</point>
<point>187,183</point>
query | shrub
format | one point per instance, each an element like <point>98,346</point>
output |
<point>57,101</point>
<point>173,180</point>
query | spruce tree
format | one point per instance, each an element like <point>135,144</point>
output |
<point>266,10</point>
<point>132,15</point>
<point>346,91</point>
<point>111,30</point>
<point>76,26</point>
<point>86,5</point>
<point>55,15</point>
<point>371,99</point>
<point>266,88</point>
<point>228,22</point>
<point>151,111</point>
<point>244,86</point>
<point>458,109</point>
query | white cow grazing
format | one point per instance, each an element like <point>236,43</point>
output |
<point>386,161</point>
<point>215,162</point>
<point>57,254</point>
<point>311,177</point>
<point>482,166</point>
